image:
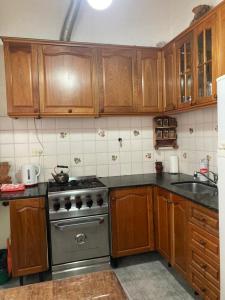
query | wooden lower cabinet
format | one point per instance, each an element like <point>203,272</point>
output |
<point>28,236</point>
<point>131,221</point>
<point>163,223</point>
<point>179,234</point>
<point>203,251</point>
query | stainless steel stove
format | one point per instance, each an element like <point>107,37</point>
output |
<point>79,221</point>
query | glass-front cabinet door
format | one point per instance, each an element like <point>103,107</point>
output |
<point>184,53</point>
<point>205,61</point>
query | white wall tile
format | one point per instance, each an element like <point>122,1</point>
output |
<point>64,139</point>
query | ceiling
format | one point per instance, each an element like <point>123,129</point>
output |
<point>125,22</point>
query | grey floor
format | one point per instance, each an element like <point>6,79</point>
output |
<point>143,277</point>
<point>148,277</point>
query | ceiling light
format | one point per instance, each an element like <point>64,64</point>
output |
<point>99,4</point>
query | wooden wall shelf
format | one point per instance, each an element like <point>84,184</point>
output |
<point>165,132</point>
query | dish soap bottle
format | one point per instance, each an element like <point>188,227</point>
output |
<point>204,169</point>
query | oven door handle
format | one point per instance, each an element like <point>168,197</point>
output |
<point>64,225</point>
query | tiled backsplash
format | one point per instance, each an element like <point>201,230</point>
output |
<point>90,146</point>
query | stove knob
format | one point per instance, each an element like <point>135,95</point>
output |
<point>78,202</point>
<point>89,201</point>
<point>99,200</point>
<point>68,203</point>
<point>56,204</point>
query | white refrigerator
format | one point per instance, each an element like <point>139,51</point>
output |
<point>221,174</point>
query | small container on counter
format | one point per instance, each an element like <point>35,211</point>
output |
<point>158,167</point>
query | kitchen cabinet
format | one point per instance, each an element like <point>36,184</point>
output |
<point>68,80</point>
<point>131,221</point>
<point>221,34</point>
<point>203,251</point>
<point>163,223</point>
<point>184,70</point>
<point>169,84</point>
<point>171,219</point>
<point>149,80</point>
<point>21,66</point>
<point>28,236</point>
<point>118,80</point>
<point>179,233</point>
<point>205,60</point>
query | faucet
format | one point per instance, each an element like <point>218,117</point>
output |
<point>215,176</point>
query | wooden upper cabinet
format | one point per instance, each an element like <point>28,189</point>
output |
<point>149,80</point>
<point>117,80</point>
<point>21,79</point>
<point>68,80</point>
<point>179,234</point>
<point>163,223</point>
<point>132,221</point>
<point>28,236</point>
<point>184,71</point>
<point>205,62</point>
<point>221,35</point>
<point>169,67</point>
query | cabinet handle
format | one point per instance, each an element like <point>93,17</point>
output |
<point>203,220</point>
<point>113,198</point>
<point>215,96</point>
<point>70,111</point>
<point>202,242</point>
<point>203,290</point>
<point>36,110</point>
<point>203,266</point>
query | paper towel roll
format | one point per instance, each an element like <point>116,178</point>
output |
<point>174,164</point>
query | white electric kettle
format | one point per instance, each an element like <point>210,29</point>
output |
<point>30,174</point>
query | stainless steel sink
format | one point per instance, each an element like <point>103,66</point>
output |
<point>196,187</point>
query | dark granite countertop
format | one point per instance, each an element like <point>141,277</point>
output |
<point>163,181</point>
<point>32,192</point>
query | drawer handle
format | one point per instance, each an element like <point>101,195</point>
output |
<point>202,242</point>
<point>203,266</point>
<point>203,220</point>
<point>70,111</point>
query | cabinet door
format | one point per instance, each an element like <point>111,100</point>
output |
<point>205,49</point>
<point>163,223</point>
<point>118,80</point>
<point>179,234</point>
<point>169,66</point>
<point>132,221</point>
<point>184,71</point>
<point>68,80</point>
<point>28,236</point>
<point>21,79</point>
<point>221,18</point>
<point>149,80</point>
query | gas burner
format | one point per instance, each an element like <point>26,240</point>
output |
<point>75,184</point>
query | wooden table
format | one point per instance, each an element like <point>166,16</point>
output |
<point>99,285</point>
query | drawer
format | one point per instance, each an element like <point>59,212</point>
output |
<point>201,285</point>
<point>206,243</point>
<point>208,268</point>
<point>204,218</point>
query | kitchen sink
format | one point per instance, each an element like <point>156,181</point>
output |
<point>197,187</point>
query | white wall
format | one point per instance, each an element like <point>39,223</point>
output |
<point>125,22</point>
<point>181,13</point>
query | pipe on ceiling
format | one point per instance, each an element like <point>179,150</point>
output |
<point>70,19</point>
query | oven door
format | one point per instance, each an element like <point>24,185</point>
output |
<point>79,239</point>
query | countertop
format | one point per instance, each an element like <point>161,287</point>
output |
<point>32,192</point>
<point>163,180</point>
<point>99,285</point>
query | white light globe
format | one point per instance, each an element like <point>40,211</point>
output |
<point>99,4</point>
